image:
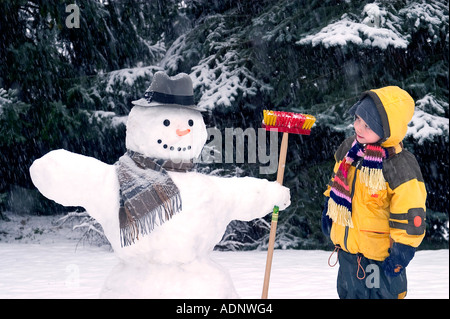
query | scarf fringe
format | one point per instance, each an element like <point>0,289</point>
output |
<point>146,224</point>
<point>373,178</point>
<point>339,214</point>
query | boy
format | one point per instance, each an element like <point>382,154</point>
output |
<point>375,211</point>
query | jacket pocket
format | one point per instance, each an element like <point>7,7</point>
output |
<point>374,231</point>
<point>374,215</point>
<point>378,200</point>
<point>375,242</point>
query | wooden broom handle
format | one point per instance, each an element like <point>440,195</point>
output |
<point>282,159</point>
<point>273,225</point>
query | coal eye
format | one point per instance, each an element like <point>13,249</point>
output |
<point>191,123</point>
<point>166,122</point>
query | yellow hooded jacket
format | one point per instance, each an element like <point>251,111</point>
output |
<point>398,212</point>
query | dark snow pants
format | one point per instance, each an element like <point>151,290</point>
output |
<point>362,278</point>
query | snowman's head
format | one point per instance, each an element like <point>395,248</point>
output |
<point>165,123</point>
<point>164,132</point>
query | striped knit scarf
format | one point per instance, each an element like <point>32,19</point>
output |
<point>371,175</point>
<point>147,194</point>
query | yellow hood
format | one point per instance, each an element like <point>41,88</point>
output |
<point>396,108</point>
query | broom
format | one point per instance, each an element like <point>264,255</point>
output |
<point>286,122</point>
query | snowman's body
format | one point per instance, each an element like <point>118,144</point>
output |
<point>172,261</point>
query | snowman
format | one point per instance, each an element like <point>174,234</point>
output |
<point>161,217</point>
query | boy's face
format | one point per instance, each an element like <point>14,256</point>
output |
<point>364,134</point>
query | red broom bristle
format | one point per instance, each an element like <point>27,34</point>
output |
<point>289,122</point>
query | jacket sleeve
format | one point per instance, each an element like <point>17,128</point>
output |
<point>408,196</point>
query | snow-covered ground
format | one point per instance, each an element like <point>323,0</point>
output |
<point>45,263</point>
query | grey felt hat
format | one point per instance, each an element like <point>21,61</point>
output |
<point>169,91</point>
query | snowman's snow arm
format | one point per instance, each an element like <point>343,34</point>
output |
<point>73,180</point>
<point>251,198</point>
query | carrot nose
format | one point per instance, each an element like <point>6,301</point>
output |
<point>183,133</point>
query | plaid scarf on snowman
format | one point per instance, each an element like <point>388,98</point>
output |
<point>371,175</point>
<point>147,194</point>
